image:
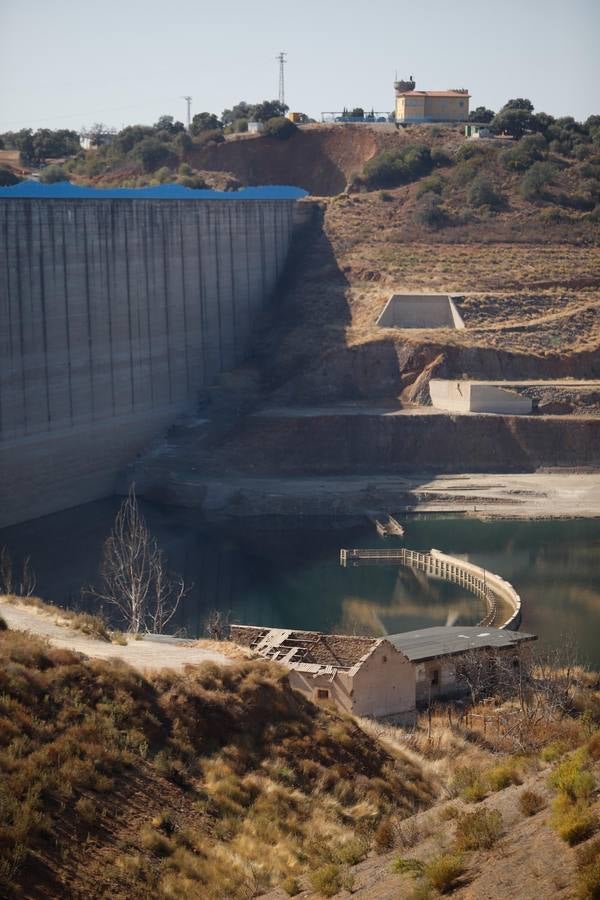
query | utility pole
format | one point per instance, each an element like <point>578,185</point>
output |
<point>282,61</point>
<point>188,100</point>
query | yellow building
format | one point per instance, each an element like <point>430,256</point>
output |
<point>430,106</point>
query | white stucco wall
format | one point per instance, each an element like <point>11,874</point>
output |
<point>385,684</point>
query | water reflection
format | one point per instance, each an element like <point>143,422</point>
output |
<point>293,579</point>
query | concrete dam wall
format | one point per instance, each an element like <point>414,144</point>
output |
<point>113,314</point>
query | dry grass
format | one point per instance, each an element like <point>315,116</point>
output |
<point>93,626</point>
<point>225,777</point>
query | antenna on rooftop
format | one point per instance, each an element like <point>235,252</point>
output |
<point>282,61</point>
<point>188,100</point>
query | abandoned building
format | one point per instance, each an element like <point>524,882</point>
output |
<point>414,107</point>
<point>375,676</point>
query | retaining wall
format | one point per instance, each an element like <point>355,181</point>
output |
<point>114,314</point>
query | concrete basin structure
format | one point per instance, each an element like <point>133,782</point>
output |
<point>478,397</point>
<point>420,311</point>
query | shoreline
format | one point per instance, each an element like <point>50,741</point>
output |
<point>538,495</point>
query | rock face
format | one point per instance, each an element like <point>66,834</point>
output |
<point>114,314</point>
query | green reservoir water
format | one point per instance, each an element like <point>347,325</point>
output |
<point>293,579</point>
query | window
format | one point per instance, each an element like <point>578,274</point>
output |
<point>322,694</point>
<point>435,677</point>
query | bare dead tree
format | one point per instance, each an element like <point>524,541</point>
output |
<point>11,582</point>
<point>6,571</point>
<point>168,592</point>
<point>475,670</point>
<point>28,582</point>
<point>134,575</point>
<point>217,625</point>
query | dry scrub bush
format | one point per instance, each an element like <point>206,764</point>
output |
<point>469,784</point>
<point>588,876</point>
<point>573,822</point>
<point>531,803</point>
<point>443,871</point>
<point>502,776</point>
<point>330,879</point>
<point>478,830</point>
<point>573,778</point>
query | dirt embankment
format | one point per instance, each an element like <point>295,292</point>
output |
<point>319,160</point>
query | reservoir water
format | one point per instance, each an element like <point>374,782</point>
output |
<point>292,578</point>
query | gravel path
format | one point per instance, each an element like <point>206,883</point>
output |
<point>144,654</point>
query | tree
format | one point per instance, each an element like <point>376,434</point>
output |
<point>53,175</point>
<point>8,178</point>
<point>168,125</point>
<point>357,113</point>
<point>134,575</point>
<point>205,121</point>
<point>153,153</point>
<point>241,110</point>
<point>519,103</point>
<point>536,179</point>
<point>268,109</point>
<point>483,193</point>
<point>513,121</point>
<point>481,114</point>
<point>130,136</point>
<point>280,128</point>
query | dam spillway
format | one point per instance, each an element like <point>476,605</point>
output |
<point>114,313</point>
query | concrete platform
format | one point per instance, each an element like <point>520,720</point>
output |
<point>420,311</point>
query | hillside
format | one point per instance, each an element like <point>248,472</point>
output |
<point>223,783</point>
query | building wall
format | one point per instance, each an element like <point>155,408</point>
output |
<point>428,108</point>
<point>385,684</point>
<point>114,314</point>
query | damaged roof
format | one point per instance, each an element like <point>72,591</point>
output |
<point>448,640</point>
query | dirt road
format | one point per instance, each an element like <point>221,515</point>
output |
<point>145,655</point>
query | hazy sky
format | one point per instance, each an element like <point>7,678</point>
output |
<point>67,63</point>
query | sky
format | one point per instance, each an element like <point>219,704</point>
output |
<point>69,64</point>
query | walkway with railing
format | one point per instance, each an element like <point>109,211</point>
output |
<point>494,590</point>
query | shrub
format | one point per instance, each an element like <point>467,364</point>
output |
<point>327,880</point>
<point>468,784</point>
<point>478,830</point>
<point>53,175</point>
<point>553,751</point>
<point>439,157</point>
<point>536,180</point>
<point>408,866</point>
<point>430,212</point>
<point>291,886</point>
<point>384,836</point>
<point>209,137</point>
<point>383,195</point>
<point>573,822</point>
<point>8,178</point>
<point>280,128</point>
<point>433,184</point>
<point>573,778</point>
<point>483,193</point>
<point>443,871</point>
<point>588,878</point>
<point>525,153</point>
<point>153,153</point>
<point>502,777</point>
<point>394,167</point>
<point>531,803</point>
<point>467,170</point>
<point>196,182</point>
<point>86,809</point>
<point>593,746</point>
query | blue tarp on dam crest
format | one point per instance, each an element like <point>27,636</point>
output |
<point>64,190</point>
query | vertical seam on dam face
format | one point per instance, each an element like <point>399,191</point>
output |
<point>117,313</point>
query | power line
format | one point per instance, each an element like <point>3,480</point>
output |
<point>282,61</point>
